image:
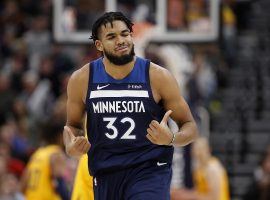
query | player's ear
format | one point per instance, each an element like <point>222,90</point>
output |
<point>99,45</point>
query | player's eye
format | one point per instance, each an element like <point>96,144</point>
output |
<point>110,38</point>
<point>125,34</point>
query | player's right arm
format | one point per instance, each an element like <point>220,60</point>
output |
<point>75,142</point>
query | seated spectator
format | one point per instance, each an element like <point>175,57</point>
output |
<point>13,164</point>
<point>9,188</point>
<point>259,189</point>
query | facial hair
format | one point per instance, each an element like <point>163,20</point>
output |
<point>120,60</point>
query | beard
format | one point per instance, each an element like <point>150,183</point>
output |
<point>120,60</point>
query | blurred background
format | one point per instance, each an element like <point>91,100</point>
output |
<point>218,50</point>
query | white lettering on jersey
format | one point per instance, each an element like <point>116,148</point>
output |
<point>118,107</point>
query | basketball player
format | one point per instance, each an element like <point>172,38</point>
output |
<point>83,183</point>
<point>210,177</point>
<point>128,101</point>
<point>43,177</point>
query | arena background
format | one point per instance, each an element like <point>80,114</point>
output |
<point>217,49</point>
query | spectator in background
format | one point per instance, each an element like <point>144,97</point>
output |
<point>205,80</point>
<point>9,167</point>
<point>198,16</point>
<point>260,186</point>
<point>37,40</point>
<point>229,31</point>
<point>3,162</point>
<point>14,159</point>
<point>44,174</point>
<point>176,15</point>
<point>9,188</point>
<point>210,177</point>
<point>87,12</point>
<point>6,98</point>
<point>37,96</point>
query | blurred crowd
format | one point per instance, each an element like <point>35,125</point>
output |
<point>34,71</point>
<point>33,76</point>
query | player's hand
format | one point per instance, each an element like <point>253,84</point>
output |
<point>160,133</point>
<point>76,146</point>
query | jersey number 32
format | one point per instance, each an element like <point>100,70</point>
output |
<point>110,125</point>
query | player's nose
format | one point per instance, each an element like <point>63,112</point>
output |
<point>120,40</point>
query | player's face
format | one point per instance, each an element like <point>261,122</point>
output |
<point>116,43</point>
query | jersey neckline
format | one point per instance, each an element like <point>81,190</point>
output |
<point>119,80</point>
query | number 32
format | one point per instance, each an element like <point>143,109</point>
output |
<point>127,135</point>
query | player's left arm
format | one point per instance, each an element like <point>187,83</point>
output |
<point>167,88</point>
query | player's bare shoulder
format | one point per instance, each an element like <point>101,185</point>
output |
<point>158,71</point>
<point>81,74</point>
<point>159,76</point>
<point>78,81</point>
<point>163,82</point>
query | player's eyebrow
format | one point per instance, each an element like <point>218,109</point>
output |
<point>125,31</point>
<point>110,34</point>
<point>113,34</point>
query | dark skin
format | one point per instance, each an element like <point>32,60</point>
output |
<point>117,40</point>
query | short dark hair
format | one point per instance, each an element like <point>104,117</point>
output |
<point>52,131</point>
<point>109,17</point>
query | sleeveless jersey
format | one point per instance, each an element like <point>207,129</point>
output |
<point>118,115</point>
<point>39,185</point>
<point>202,186</point>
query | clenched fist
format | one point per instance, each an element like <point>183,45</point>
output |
<point>75,145</point>
<point>160,133</point>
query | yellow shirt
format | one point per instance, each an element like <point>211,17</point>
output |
<point>83,184</point>
<point>39,182</point>
<point>202,186</point>
<point>228,15</point>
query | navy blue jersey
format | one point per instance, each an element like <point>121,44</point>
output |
<point>118,115</point>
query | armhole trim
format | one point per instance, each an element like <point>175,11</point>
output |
<point>90,81</point>
<point>147,78</point>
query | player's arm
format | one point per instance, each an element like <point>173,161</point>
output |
<point>214,179</point>
<point>169,93</point>
<point>75,142</point>
<point>58,163</point>
<point>24,180</point>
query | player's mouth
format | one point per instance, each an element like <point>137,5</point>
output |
<point>122,49</point>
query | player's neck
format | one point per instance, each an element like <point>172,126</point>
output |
<point>116,71</point>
